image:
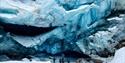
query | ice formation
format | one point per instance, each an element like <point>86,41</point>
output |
<point>72,25</point>
<point>74,18</point>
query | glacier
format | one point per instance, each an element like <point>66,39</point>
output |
<point>23,12</point>
<point>73,25</point>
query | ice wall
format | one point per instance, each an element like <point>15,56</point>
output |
<point>76,20</point>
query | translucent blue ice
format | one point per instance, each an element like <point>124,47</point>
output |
<point>74,17</point>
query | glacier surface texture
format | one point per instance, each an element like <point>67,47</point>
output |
<point>55,26</point>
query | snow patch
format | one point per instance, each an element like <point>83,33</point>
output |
<point>115,18</point>
<point>119,56</point>
<point>26,62</point>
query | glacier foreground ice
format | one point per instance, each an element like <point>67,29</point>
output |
<point>26,62</point>
<point>76,21</point>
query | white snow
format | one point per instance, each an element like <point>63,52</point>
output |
<point>26,62</point>
<point>115,18</point>
<point>119,56</point>
<point>121,15</point>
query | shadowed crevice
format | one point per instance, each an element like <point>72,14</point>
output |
<point>25,30</point>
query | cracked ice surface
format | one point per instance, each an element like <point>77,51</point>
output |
<point>40,14</point>
<point>76,21</point>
